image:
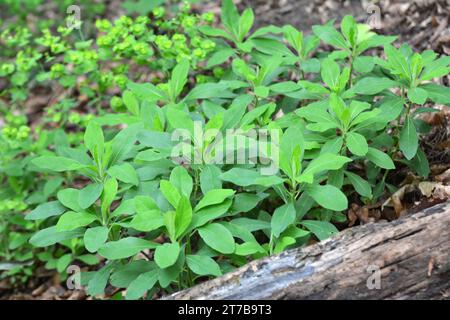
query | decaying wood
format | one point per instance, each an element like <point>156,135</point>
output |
<point>411,255</point>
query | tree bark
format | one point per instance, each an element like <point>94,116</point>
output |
<point>411,256</point>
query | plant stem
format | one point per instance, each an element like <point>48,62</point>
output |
<point>271,244</point>
<point>351,59</point>
<point>196,183</point>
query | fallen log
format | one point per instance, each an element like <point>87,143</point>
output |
<point>405,259</point>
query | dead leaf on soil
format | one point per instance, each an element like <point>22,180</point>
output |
<point>433,190</point>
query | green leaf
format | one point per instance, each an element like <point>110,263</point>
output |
<point>213,197</point>
<point>420,164</point>
<point>248,248</point>
<point>183,216</point>
<point>210,213</point>
<point>45,210</point>
<point>58,164</point>
<point>251,224</point>
<point>283,87</point>
<point>124,275</point>
<point>209,90</point>
<point>170,192</point>
<point>50,236</point>
<point>271,47</point>
<point>246,177</point>
<point>266,30</point>
<point>69,198</point>
<point>99,281</point>
<point>217,237</point>
<point>241,68</point>
<point>167,275</point>
<point>282,218</point>
<point>240,232</point>
<point>357,144</point>
<point>372,85</point>
<point>203,265</point>
<point>244,202</point>
<point>291,150</point>
<point>416,65</point>
<point>94,139</point>
<point>131,102</point>
<point>95,237</point>
<point>147,91</point>
<point>436,69</point>
<point>126,207</point>
<point>209,178</point>
<point>437,93</point>
<point>333,146</point>
<point>123,143</point>
<point>336,178</point>
<point>180,120</point>
<point>230,17</point>
<point>349,29</point>
<point>314,114</point>
<point>324,162</point>
<point>380,158</point>
<point>167,254</point>
<point>139,286</point>
<point>372,42</point>
<point>330,73</point>
<point>294,38</point>
<point>262,91</point>
<point>179,78</point>
<point>397,61</point>
<point>409,141</point>
<point>52,185</point>
<point>295,232</point>
<point>89,194</point>
<point>124,248</point>
<point>144,204</point>
<point>361,186</point>
<point>390,109</point>
<point>331,36</point>
<point>245,23</point>
<point>220,57</point>
<point>328,196</point>
<point>283,243</point>
<point>311,65</point>
<point>73,220</point>
<point>214,32</point>
<point>147,220</point>
<point>321,229</point>
<point>109,194</point>
<point>363,64</point>
<point>124,172</point>
<point>418,95</point>
<point>180,178</point>
<point>151,155</point>
<point>63,262</point>
<point>169,222</point>
<point>339,108</point>
<point>233,115</point>
<point>89,259</point>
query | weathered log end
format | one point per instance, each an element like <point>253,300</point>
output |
<point>405,259</point>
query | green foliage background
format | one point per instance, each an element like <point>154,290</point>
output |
<point>91,181</point>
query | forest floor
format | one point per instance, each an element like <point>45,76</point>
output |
<point>423,24</point>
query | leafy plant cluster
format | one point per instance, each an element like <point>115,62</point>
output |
<point>61,60</point>
<point>115,197</point>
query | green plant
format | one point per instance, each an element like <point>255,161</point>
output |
<point>242,144</point>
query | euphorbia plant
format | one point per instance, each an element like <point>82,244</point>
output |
<point>188,175</point>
